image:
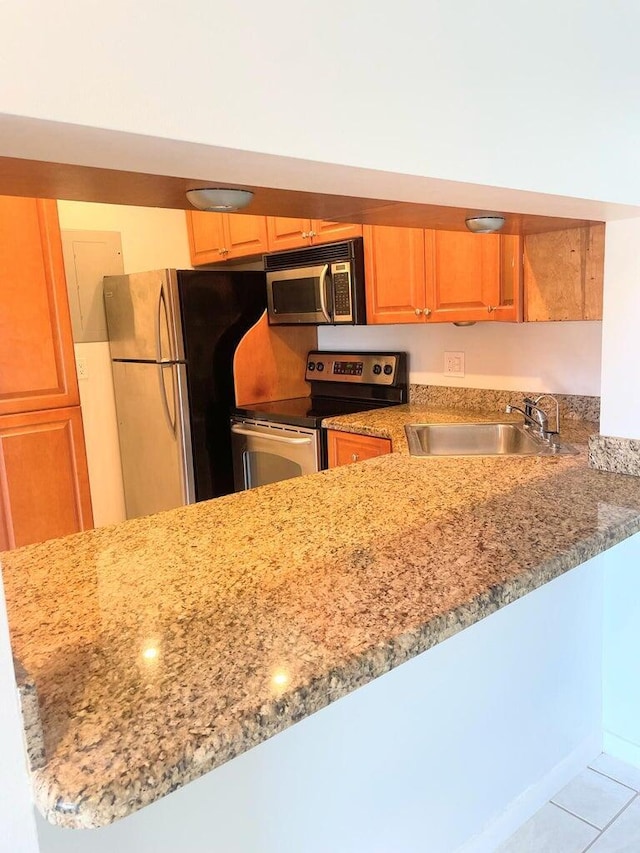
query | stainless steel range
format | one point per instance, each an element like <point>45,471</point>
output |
<point>283,439</point>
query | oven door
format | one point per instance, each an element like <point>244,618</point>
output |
<point>300,295</point>
<point>265,452</point>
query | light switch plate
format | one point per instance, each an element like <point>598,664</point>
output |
<point>454,364</point>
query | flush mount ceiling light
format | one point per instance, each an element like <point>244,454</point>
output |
<point>219,198</point>
<point>486,224</point>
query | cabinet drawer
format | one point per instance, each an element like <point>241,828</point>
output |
<point>347,447</point>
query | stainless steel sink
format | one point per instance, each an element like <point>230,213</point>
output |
<point>479,439</point>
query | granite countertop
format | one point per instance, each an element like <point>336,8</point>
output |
<point>390,423</point>
<point>164,646</point>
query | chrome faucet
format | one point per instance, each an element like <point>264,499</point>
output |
<point>536,417</point>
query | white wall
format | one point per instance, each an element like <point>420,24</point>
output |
<point>621,335</point>
<point>152,238</point>
<point>500,95</point>
<point>561,358</point>
<point>101,434</point>
<point>621,695</point>
<point>17,824</point>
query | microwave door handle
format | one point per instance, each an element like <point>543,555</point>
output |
<point>253,433</point>
<point>323,292</point>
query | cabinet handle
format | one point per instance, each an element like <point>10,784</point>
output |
<point>490,308</point>
<point>312,234</point>
<point>426,312</point>
<point>306,234</point>
<point>354,457</point>
<point>418,311</point>
<point>223,251</point>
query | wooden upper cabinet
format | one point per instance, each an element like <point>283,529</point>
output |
<point>287,233</point>
<point>206,237</point>
<point>246,235</point>
<point>37,362</point>
<point>394,274</point>
<point>218,237</point>
<point>472,277</point>
<point>563,274</point>
<point>44,483</point>
<point>327,232</point>
<point>416,276</point>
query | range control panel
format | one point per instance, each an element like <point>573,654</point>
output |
<point>368,368</point>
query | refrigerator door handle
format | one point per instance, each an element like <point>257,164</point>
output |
<point>171,422</point>
<point>160,314</point>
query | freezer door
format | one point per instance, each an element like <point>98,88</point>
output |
<point>154,435</point>
<point>143,316</point>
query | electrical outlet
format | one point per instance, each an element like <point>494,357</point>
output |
<point>454,364</point>
<point>82,368</point>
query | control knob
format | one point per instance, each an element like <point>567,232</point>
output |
<point>377,369</point>
<point>320,366</point>
<point>388,370</point>
<point>311,366</point>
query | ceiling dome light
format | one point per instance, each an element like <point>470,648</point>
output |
<point>484,224</point>
<point>219,198</point>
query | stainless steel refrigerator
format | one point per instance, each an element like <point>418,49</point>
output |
<point>172,336</point>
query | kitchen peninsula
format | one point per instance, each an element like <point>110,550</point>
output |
<point>165,646</point>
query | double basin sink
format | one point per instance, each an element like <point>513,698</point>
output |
<point>480,439</point>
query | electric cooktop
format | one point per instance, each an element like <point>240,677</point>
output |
<point>341,383</point>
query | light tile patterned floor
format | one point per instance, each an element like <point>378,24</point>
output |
<point>598,811</point>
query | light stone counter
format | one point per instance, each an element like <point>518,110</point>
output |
<point>164,646</point>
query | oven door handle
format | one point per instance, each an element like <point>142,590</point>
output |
<point>238,430</point>
<point>322,284</point>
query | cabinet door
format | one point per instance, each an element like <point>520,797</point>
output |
<point>286,233</point>
<point>206,233</point>
<point>463,275</point>
<point>472,277</point>
<point>44,484</point>
<point>347,447</point>
<point>394,274</point>
<point>246,235</point>
<point>37,363</point>
<point>327,232</point>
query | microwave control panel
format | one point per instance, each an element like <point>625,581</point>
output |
<point>365,368</point>
<point>341,278</point>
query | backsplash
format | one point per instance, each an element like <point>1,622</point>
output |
<point>572,406</point>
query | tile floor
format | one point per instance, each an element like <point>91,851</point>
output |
<point>598,811</point>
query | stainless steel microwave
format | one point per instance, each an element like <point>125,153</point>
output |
<point>320,285</point>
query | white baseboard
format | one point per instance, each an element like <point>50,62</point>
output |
<point>534,797</point>
<point>618,747</point>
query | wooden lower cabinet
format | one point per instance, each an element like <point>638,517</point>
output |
<point>347,447</point>
<point>44,482</point>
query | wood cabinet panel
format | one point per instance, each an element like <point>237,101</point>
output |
<point>347,447</point>
<point>44,483</point>
<point>245,235</point>
<point>394,274</point>
<point>563,274</point>
<point>327,232</point>
<point>287,233</point>
<point>206,237</point>
<point>471,277</point>
<point>37,363</point>
<point>218,237</point>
